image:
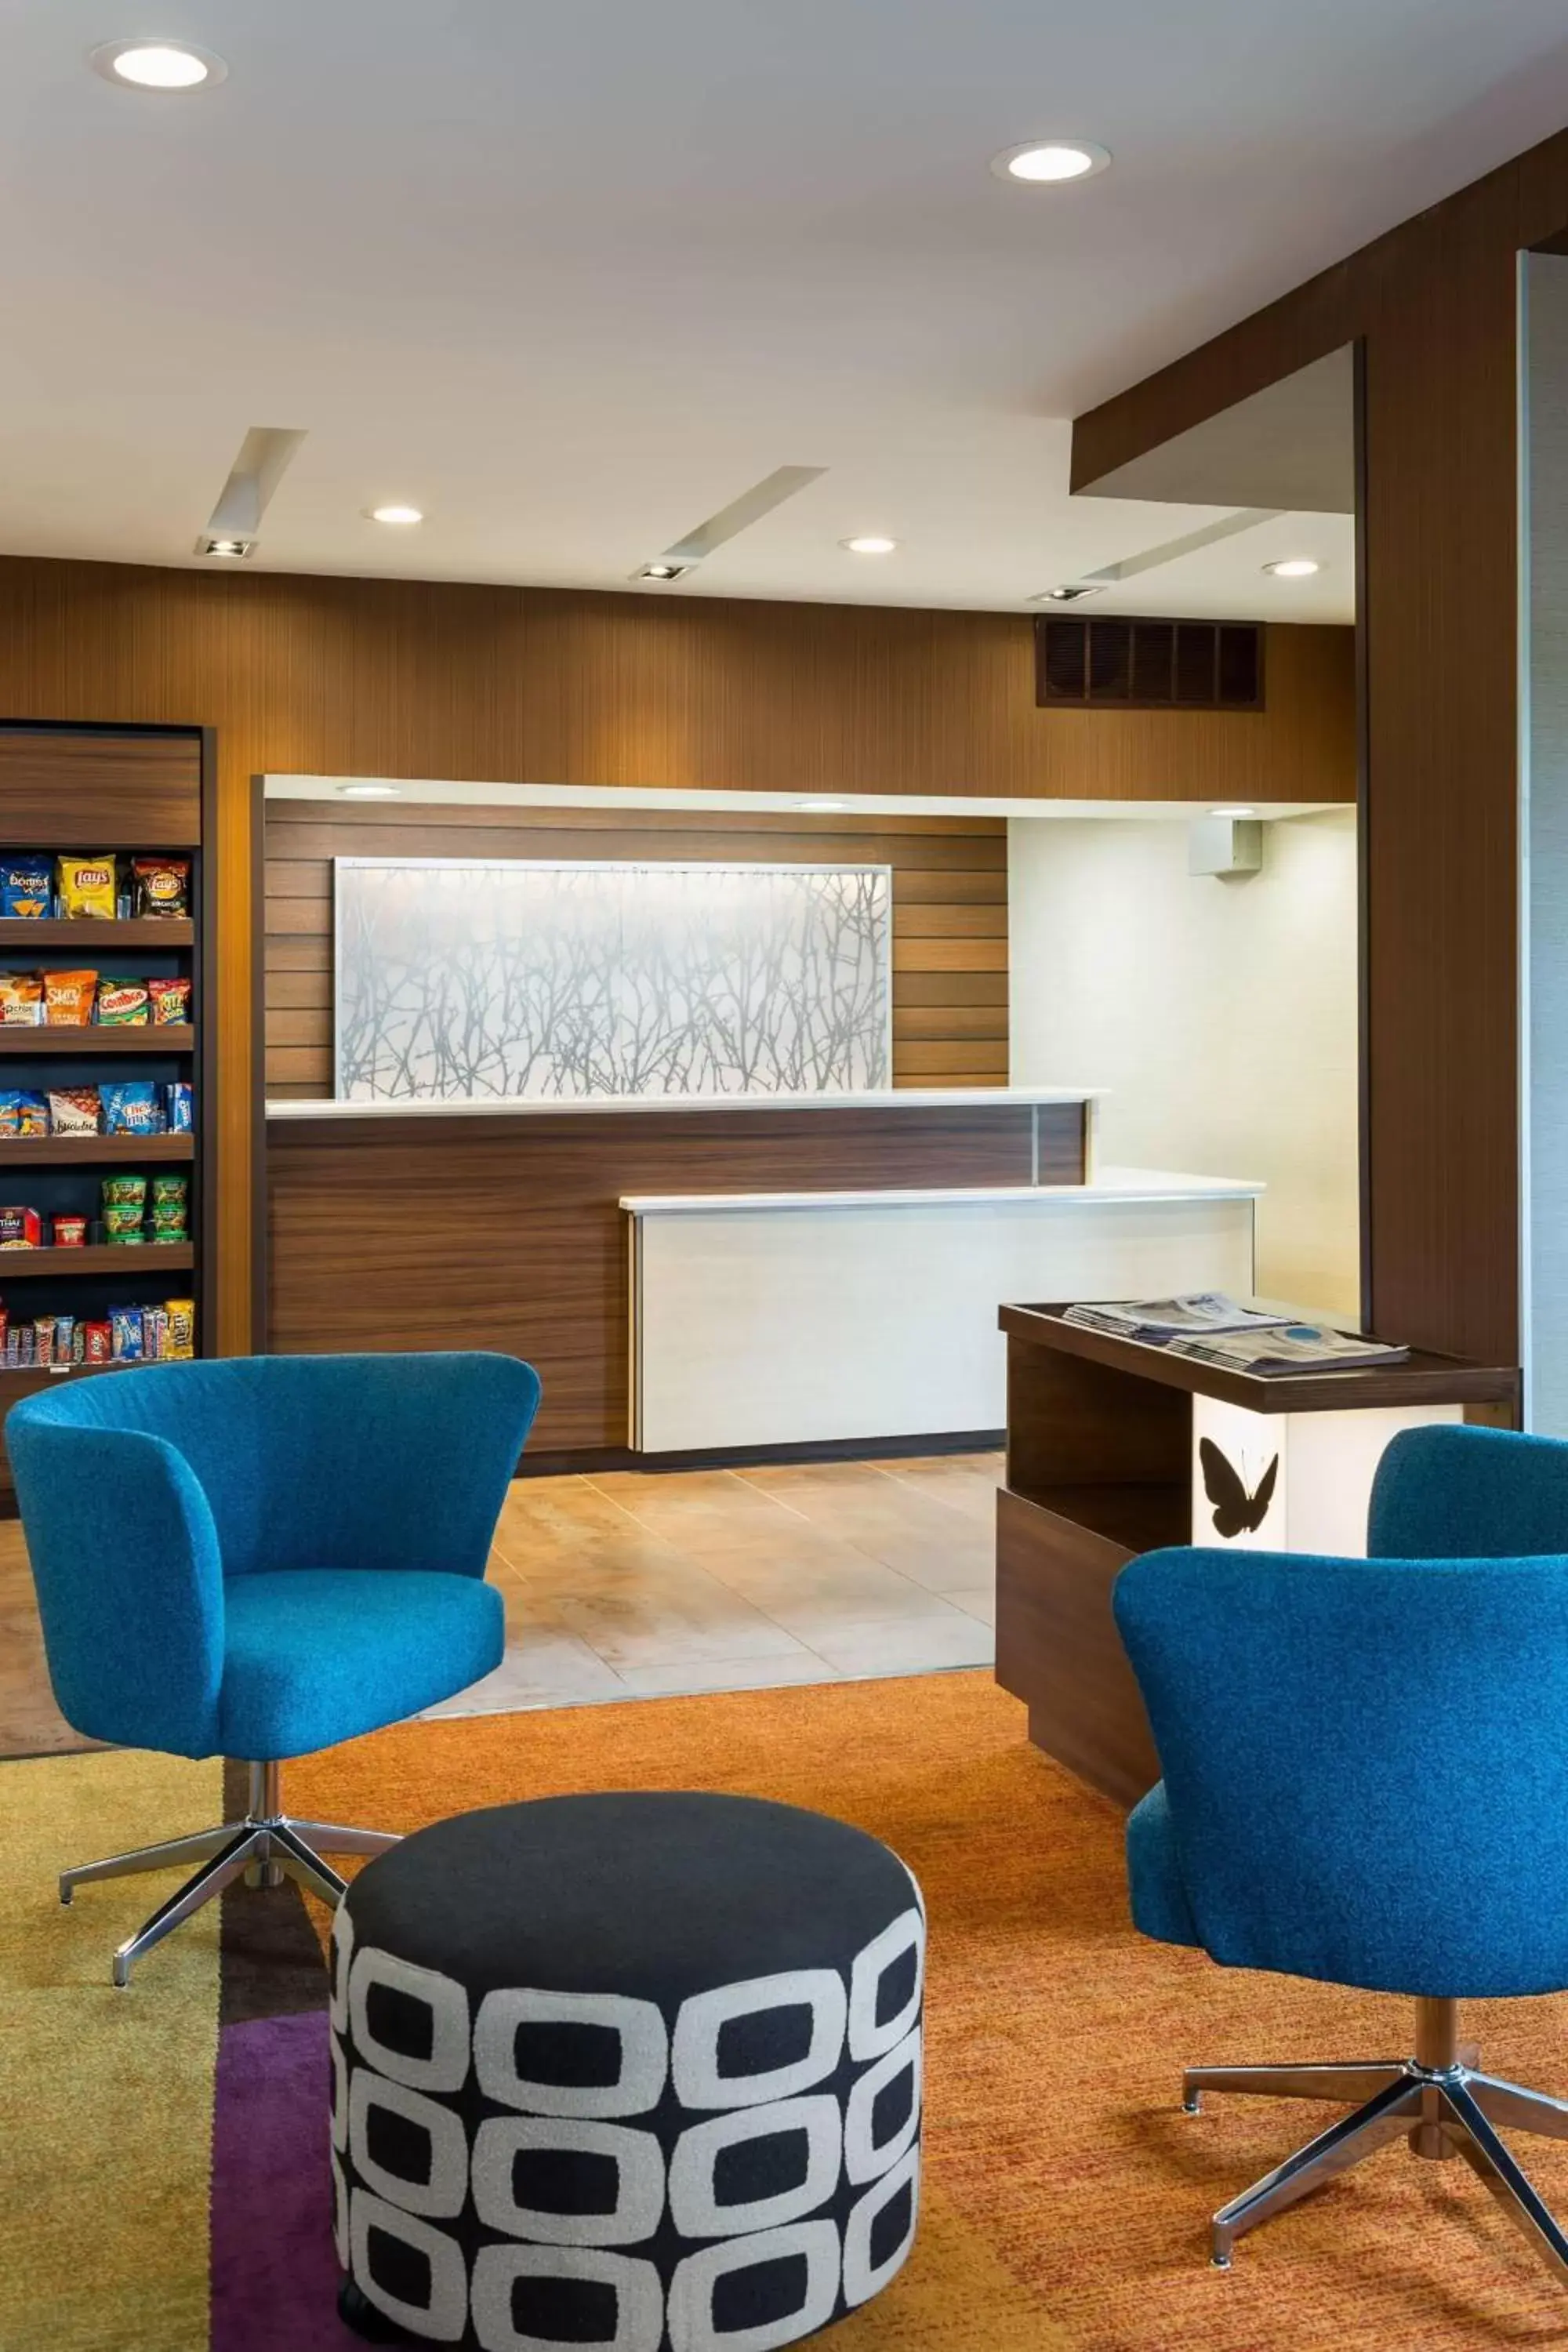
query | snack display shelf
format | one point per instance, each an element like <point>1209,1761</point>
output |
<point>18,1381</point>
<point>55,1037</point>
<point>83,931</point>
<point>83,1150</point>
<point>96,1257</point>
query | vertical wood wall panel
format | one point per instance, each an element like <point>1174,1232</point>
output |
<point>1434,306</point>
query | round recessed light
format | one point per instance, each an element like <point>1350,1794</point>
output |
<point>1232,812</point>
<point>662,570</point>
<point>394,514</point>
<point>1045,163</point>
<point>158,64</point>
<point>370,792</point>
<point>1294,567</point>
<point>870,544</point>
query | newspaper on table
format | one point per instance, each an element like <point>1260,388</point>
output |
<point>1292,1347</point>
<point>1195,1315</point>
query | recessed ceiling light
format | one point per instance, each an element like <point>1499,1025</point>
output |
<point>869,543</point>
<point>158,64</point>
<point>1066,595</point>
<point>1232,812</point>
<point>394,514</point>
<point>661,572</point>
<point>1294,567</point>
<point>231,548</point>
<point>822,808</point>
<point>370,792</point>
<point>1045,161</point>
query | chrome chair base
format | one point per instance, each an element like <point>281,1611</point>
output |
<point>267,1845</point>
<point>1439,2100</point>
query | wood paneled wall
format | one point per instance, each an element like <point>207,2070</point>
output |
<point>1434,307</point>
<point>950,909</point>
<point>330,676</point>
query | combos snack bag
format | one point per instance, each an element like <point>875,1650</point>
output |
<point>122,1003</point>
<point>170,1000</point>
<point>27,888</point>
<point>161,886</point>
<point>21,999</point>
<point>67,998</point>
<point>86,886</point>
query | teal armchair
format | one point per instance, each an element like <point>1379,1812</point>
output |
<point>259,1557</point>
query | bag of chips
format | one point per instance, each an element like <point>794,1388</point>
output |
<point>23,1112</point>
<point>170,1000</point>
<point>74,1110</point>
<point>132,1107</point>
<point>68,999</point>
<point>86,886</point>
<point>27,888</point>
<point>161,886</point>
<point>122,1003</point>
<point>21,999</point>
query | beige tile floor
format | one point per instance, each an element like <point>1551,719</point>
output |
<point>644,1584</point>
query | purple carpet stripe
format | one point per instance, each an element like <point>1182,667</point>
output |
<point>274,2271</point>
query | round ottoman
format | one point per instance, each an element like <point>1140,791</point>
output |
<point>635,2072</point>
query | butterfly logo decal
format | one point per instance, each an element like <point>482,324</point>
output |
<point>1236,1512</point>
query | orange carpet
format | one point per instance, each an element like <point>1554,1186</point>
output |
<point>1067,2194</point>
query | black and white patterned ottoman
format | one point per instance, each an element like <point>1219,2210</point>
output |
<point>640,2072</point>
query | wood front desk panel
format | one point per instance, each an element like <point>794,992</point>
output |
<point>502,1228</point>
<point>1101,1443</point>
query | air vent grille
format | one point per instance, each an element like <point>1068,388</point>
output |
<point>1138,664</point>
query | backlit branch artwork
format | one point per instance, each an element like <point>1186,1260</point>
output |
<point>525,979</point>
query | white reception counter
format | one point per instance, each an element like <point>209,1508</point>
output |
<point>764,1320</point>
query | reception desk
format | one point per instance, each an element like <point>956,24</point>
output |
<point>779,1318</point>
<point>499,1224</point>
<point>1106,1457</point>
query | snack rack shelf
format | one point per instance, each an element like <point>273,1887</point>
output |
<point>132,791</point>
<point>96,1257</point>
<point>87,1151</point>
<point>135,931</point>
<point>174,1037</point>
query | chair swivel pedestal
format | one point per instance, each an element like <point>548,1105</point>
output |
<point>269,1844</point>
<point>1439,2100</point>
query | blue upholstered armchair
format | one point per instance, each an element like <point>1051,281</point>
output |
<point>1366,1782</point>
<point>260,1556</point>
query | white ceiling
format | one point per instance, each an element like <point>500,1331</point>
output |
<point>574,276</point>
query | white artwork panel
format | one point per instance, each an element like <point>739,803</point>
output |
<point>459,978</point>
